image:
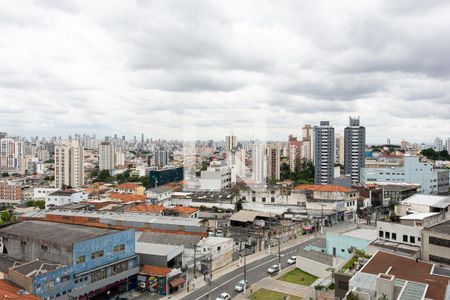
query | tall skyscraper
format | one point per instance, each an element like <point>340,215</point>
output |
<point>355,143</point>
<point>230,142</point>
<point>106,157</point>
<point>161,158</point>
<point>273,162</point>
<point>307,142</point>
<point>69,164</point>
<point>324,153</point>
<point>339,147</point>
<point>259,170</point>
<point>11,154</point>
<point>447,145</point>
<point>438,144</point>
<point>294,152</point>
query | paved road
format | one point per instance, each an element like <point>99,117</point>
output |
<point>256,271</point>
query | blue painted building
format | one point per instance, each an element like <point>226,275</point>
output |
<point>65,261</point>
<point>342,245</point>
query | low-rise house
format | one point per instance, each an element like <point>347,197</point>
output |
<point>61,197</point>
<point>42,193</point>
<point>129,188</point>
<point>66,261</point>
<point>159,195</point>
<point>218,249</point>
<point>420,203</point>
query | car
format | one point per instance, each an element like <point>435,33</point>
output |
<point>273,269</point>
<point>292,260</point>
<point>224,296</point>
<point>241,286</point>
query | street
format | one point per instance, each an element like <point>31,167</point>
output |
<point>256,271</point>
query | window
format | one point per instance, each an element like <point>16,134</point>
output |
<point>272,199</point>
<point>119,268</point>
<point>439,242</point>
<point>387,235</point>
<point>412,239</point>
<point>81,259</point>
<point>23,243</point>
<point>253,199</point>
<point>97,254</point>
<point>65,278</point>
<point>263,199</point>
<point>218,249</point>
<point>44,247</point>
<point>98,275</point>
<point>439,259</point>
<point>119,248</point>
<point>405,238</point>
<point>381,233</point>
<point>394,236</point>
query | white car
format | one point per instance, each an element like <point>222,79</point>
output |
<point>241,286</point>
<point>224,296</point>
<point>273,269</point>
<point>292,260</point>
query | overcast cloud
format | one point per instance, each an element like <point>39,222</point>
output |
<point>128,67</point>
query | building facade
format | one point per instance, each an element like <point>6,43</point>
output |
<point>69,164</point>
<point>354,145</point>
<point>106,156</point>
<point>273,162</point>
<point>324,153</point>
<point>259,163</point>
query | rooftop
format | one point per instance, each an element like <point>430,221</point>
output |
<point>408,269</point>
<point>366,234</point>
<point>428,200</point>
<point>160,189</point>
<point>65,234</point>
<point>418,216</point>
<point>127,186</point>
<point>155,270</point>
<point>323,188</point>
<point>443,227</point>
<point>128,198</point>
<point>36,267</point>
<point>63,193</point>
<point>10,291</point>
<point>248,215</point>
<point>189,241</point>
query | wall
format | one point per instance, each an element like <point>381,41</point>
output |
<point>312,267</point>
<point>344,242</point>
<point>400,230</point>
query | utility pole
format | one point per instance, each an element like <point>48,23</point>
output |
<point>279,254</point>
<point>245,265</point>
<point>195,261</point>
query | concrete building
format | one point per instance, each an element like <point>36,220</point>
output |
<point>294,152</point>
<point>432,181</point>
<point>41,193</point>
<point>273,162</point>
<point>438,144</point>
<point>259,163</point>
<point>216,177</point>
<point>220,250</point>
<point>307,142</point>
<point>106,156</point>
<point>161,158</point>
<point>435,244</point>
<point>230,142</point>
<point>11,154</point>
<point>354,144</point>
<point>60,198</point>
<point>165,176</point>
<point>420,203</point>
<point>65,261</point>
<point>69,164</point>
<point>236,160</point>
<point>391,276</point>
<point>159,194</point>
<point>324,153</point>
<point>10,193</point>
<point>340,149</point>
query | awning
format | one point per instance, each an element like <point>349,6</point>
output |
<point>177,281</point>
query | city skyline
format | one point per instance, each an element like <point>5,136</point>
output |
<point>75,66</point>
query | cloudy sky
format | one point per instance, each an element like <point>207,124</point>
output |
<point>128,67</point>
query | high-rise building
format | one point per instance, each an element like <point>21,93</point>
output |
<point>11,154</point>
<point>69,164</point>
<point>236,161</point>
<point>230,142</point>
<point>294,152</point>
<point>339,147</point>
<point>447,145</point>
<point>106,156</point>
<point>259,170</point>
<point>273,162</point>
<point>438,144</point>
<point>355,143</point>
<point>307,144</point>
<point>323,139</point>
<point>161,158</point>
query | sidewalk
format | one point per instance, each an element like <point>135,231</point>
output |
<point>199,282</point>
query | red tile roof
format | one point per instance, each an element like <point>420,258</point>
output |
<point>185,210</point>
<point>322,188</point>
<point>155,270</point>
<point>128,186</point>
<point>9,291</point>
<point>151,208</point>
<point>128,198</point>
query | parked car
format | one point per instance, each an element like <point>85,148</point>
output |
<point>224,296</point>
<point>241,286</point>
<point>273,269</point>
<point>292,260</point>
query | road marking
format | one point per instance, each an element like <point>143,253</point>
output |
<point>226,282</point>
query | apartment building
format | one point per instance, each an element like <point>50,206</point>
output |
<point>106,156</point>
<point>11,155</point>
<point>10,193</point>
<point>69,164</point>
<point>324,153</point>
<point>273,162</point>
<point>216,177</point>
<point>354,145</point>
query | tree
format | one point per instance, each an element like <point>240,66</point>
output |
<point>239,205</point>
<point>5,174</point>
<point>6,217</point>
